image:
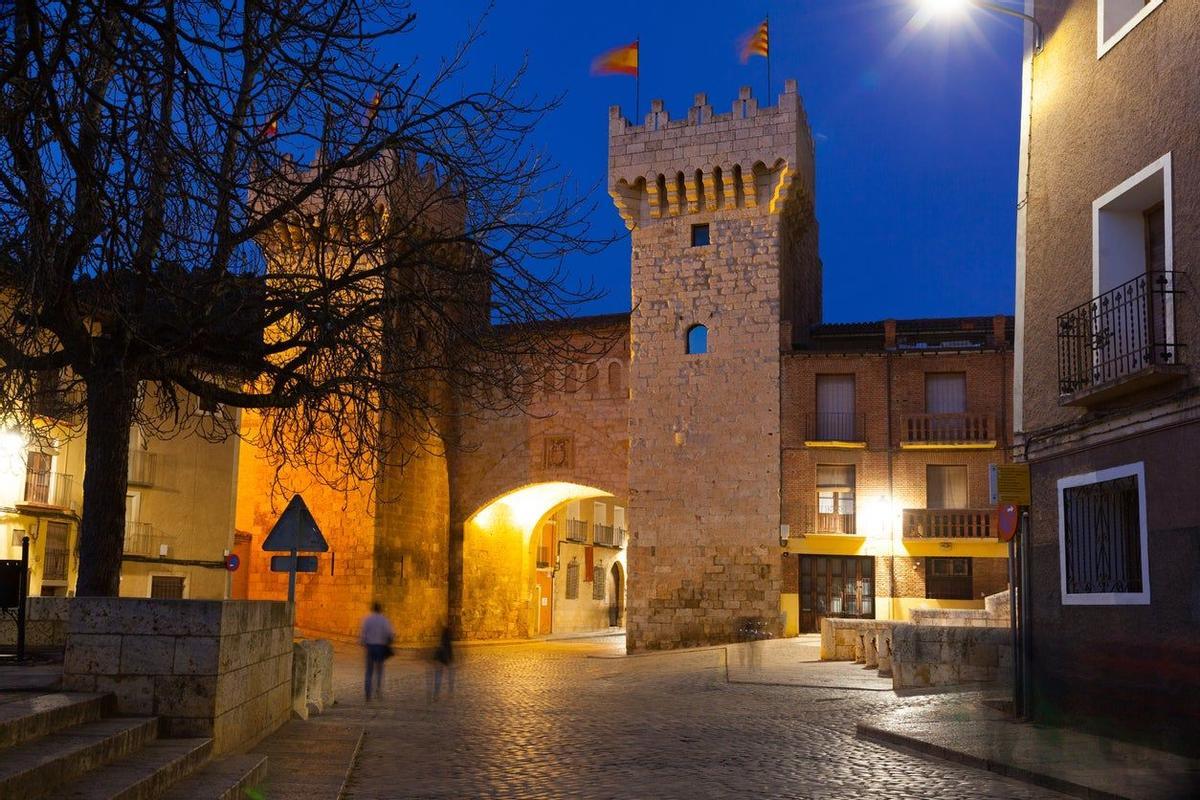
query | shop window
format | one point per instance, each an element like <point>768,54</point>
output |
<point>1103,538</point>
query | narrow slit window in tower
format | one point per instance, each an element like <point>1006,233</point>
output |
<point>697,340</point>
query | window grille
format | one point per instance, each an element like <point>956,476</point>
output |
<point>598,586</point>
<point>573,580</point>
<point>1102,537</point>
<point>166,587</point>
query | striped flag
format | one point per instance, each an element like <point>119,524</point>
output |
<point>619,61</point>
<point>269,130</point>
<point>755,43</point>
<point>373,108</point>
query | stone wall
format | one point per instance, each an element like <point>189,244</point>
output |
<point>312,677</point>
<point>204,667</point>
<point>45,624</point>
<point>704,448</point>
<point>938,655</point>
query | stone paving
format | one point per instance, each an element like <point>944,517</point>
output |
<point>573,719</point>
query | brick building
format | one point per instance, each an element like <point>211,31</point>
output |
<point>1108,410</point>
<point>888,431</point>
<point>652,486</point>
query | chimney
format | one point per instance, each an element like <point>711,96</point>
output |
<point>889,334</point>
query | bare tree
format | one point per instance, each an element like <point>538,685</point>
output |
<point>246,205</point>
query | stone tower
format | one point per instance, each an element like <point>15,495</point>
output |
<point>720,207</point>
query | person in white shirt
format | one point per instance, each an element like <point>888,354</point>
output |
<point>376,637</point>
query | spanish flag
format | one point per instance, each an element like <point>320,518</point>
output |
<point>755,43</point>
<point>620,61</point>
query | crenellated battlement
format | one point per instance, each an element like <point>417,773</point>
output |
<point>750,158</point>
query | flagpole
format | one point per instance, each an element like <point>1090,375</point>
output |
<point>767,99</point>
<point>637,84</point>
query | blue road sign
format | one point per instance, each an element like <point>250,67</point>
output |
<point>285,563</point>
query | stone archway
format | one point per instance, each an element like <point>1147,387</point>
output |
<point>616,596</point>
<point>540,544</point>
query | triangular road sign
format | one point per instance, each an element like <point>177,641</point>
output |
<point>296,530</point>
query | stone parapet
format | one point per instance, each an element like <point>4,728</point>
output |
<point>212,668</point>
<point>45,624</point>
<point>940,655</point>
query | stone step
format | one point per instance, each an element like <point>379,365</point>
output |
<point>231,778</point>
<point>144,775</point>
<point>24,717</point>
<point>38,768</point>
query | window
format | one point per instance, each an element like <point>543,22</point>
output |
<point>166,587</point>
<point>1116,18</point>
<point>700,235</point>
<point>945,486</point>
<point>54,568</point>
<point>835,418</point>
<point>945,392</point>
<point>17,534</point>
<point>697,340</point>
<point>598,582</point>
<point>573,580</point>
<point>37,477</point>
<point>1102,537</point>
<point>948,579</point>
<point>1132,322</point>
<point>835,498</point>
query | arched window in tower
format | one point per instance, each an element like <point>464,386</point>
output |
<point>697,340</point>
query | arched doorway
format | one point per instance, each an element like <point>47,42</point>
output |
<point>538,560</point>
<point>616,598</point>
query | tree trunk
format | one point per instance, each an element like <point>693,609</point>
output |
<point>110,398</point>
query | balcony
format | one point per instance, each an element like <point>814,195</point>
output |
<point>608,535</point>
<point>143,468</point>
<point>577,531</point>
<point>947,431</point>
<point>55,566</point>
<point>143,539</point>
<point>835,429</point>
<point>50,489</point>
<point>949,523</point>
<point>1120,342</point>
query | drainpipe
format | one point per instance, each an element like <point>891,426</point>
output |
<point>891,500</point>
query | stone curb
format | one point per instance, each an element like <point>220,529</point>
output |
<point>362,733</point>
<point>891,738</point>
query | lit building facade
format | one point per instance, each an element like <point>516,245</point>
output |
<point>1107,410</point>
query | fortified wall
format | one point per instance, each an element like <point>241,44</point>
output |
<point>720,207</point>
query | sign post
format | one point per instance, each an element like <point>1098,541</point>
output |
<point>1008,487</point>
<point>293,532</point>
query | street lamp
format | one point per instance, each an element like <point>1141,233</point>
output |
<point>946,6</point>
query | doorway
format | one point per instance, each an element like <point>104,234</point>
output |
<point>545,593</point>
<point>616,598</point>
<point>835,586</point>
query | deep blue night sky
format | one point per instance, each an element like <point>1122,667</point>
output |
<point>916,127</point>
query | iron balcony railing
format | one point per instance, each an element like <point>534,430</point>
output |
<point>948,523</point>
<point>142,539</point>
<point>45,488</point>
<point>835,426</point>
<point>55,566</point>
<point>947,428</point>
<point>1119,333</point>
<point>576,530</point>
<point>608,535</point>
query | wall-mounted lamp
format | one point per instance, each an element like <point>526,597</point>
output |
<point>785,531</point>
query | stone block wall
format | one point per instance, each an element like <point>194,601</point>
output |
<point>312,677</point>
<point>927,655</point>
<point>213,668</point>
<point>704,445</point>
<point>45,624</point>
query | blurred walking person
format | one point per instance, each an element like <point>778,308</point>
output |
<point>443,663</point>
<point>376,638</point>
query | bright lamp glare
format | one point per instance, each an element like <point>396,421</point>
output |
<point>944,6</point>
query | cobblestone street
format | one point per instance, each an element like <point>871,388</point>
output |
<point>575,719</point>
